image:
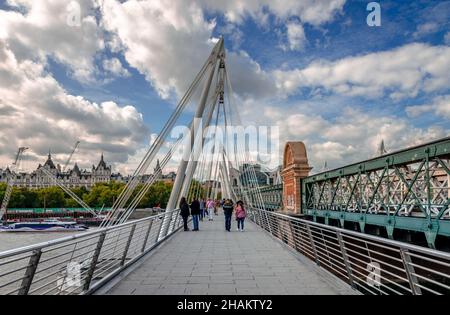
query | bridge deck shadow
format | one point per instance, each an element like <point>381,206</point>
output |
<point>215,262</point>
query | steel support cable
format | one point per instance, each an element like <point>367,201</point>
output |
<point>181,173</point>
<point>214,187</point>
<point>227,175</point>
<point>237,151</point>
<point>150,182</point>
<point>238,195</point>
<point>217,147</point>
<point>129,188</point>
<point>189,186</point>
<point>238,122</point>
<point>186,190</point>
<point>204,170</point>
<point>180,179</point>
<point>124,196</point>
<point>68,191</point>
<point>167,158</point>
<point>231,103</point>
<point>201,174</point>
<point>208,193</point>
<point>199,139</point>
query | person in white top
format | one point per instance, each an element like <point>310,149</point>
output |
<point>210,206</point>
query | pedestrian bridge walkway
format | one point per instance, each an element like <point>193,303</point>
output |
<point>213,261</point>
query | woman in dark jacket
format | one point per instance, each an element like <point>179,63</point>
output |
<point>184,212</point>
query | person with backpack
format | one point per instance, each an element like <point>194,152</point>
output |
<point>195,212</point>
<point>184,212</point>
<point>228,212</point>
<point>240,215</point>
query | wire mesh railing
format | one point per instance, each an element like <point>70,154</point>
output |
<point>370,264</point>
<point>81,263</point>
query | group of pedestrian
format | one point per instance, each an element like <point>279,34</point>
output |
<point>200,209</point>
<point>239,211</point>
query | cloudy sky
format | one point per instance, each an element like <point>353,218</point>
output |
<point>109,73</point>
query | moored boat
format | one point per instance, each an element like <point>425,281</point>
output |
<point>43,226</point>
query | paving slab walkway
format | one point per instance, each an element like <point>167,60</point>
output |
<point>215,262</point>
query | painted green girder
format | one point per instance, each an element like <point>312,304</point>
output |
<point>407,190</point>
<point>272,196</point>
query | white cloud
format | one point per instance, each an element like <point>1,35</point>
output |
<point>425,29</point>
<point>115,67</point>
<point>314,12</point>
<point>41,30</point>
<point>169,41</point>
<point>447,38</point>
<point>35,111</point>
<point>399,73</point>
<point>296,36</point>
<point>440,106</point>
<point>353,135</point>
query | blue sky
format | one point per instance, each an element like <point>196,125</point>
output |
<point>347,35</point>
<point>159,45</point>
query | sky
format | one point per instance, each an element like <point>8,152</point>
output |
<point>109,74</point>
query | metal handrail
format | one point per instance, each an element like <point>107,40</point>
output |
<point>370,264</point>
<point>81,263</point>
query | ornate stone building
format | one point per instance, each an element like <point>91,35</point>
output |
<point>71,178</point>
<point>76,177</point>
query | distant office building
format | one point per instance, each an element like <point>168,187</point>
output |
<point>252,175</point>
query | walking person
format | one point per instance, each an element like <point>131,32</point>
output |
<point>210,206</point>
<point>195,212</point>
<point>184,212</point>
<point>240,215</point>
<point>228,212</point>
<point>216,207</point>
<point>202,209</point>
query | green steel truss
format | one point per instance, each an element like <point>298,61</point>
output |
<point>407,190</point>
<point>272,197</point>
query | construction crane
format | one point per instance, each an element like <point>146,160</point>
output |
<point>11,181</point>
<point>70,156</point>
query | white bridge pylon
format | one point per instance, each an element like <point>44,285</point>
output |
<point>215,111</point>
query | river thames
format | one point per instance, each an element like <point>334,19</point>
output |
<point>11,240</point>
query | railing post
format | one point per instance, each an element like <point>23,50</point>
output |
<point>147,235</point>
<point>268,223</point>
<point>294,241</point>
<point>90,274</point>
<point>166,228</point>
<point>313,246</point>
<point>260,219</point>
<point>410,273</point>
<point>160,228</point>
<point>177,220</point>
<point>174,220</point>
<point>127,247</point>
<point>346,259</point>
<point>29,273</point>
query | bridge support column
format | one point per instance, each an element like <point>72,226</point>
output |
<point>194,130</point>
<point>295,167</point>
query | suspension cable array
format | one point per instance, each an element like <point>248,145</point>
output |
<point>202,161</point>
